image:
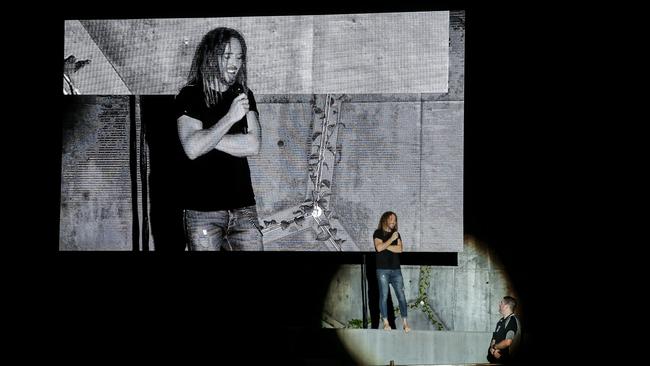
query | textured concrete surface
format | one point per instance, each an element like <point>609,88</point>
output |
<point>397,153</point>
<point>98,77</point>
<point>279,172</point>
<point>399,157</point>
<point>381,53</point>
<point>379,347</point>
<point>96,193</point>
<point>441,176</point>
<point>153,56</point>
<point>351,53</point>
<point>380,169</point>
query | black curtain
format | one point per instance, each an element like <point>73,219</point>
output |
<point>165,153</point>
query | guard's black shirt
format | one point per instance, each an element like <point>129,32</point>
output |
<point>506,328</point>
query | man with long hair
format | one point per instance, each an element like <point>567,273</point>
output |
<point>218,127</point>
<point>388,244</point>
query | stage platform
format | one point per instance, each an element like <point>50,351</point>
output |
<point>380,347</point>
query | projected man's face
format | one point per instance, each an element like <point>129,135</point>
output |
<point>391,222</point>
<point>230,62</point>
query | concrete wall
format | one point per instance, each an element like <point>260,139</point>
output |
<point>96,196</point>
<point>414,141</point>
<point>99,77</point>
<point>377,347</point>
<point>347,53</point>
<point>402,153</point>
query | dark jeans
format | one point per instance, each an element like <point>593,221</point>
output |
<point>236,229</point>
<point>394,277</point>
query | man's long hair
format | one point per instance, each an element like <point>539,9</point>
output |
<point>205,69</point>
<point>384,220</point>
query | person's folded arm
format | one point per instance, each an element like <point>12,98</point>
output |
<point>196,140</point>
<point>243,144</point>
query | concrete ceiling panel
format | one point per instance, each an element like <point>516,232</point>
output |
<point>98,77</point>
<point>352,53</point>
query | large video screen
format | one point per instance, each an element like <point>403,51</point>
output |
<point>358,114</point>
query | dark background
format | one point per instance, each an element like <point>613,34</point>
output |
<point>100,306</point>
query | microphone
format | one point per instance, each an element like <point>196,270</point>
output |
<point>239,89</point>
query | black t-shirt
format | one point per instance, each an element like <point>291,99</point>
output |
<point>215,180</point>
<point>386,259</point>
<point>506,329</point>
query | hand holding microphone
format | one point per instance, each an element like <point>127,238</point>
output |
<point>239,107</point>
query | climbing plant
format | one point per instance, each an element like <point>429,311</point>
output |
<point>355,324</point>
<point>421,303</point>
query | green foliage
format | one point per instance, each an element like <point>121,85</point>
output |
<point>422,301</point>
<point>355,324</point>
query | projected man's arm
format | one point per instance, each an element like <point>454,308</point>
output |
<point>243,144</point>
<point>197,141</point>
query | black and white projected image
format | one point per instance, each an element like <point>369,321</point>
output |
<point>360,114</point>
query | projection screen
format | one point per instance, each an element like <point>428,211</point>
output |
<point>360,114</point>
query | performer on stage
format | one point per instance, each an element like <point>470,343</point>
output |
<point>388,244</point>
